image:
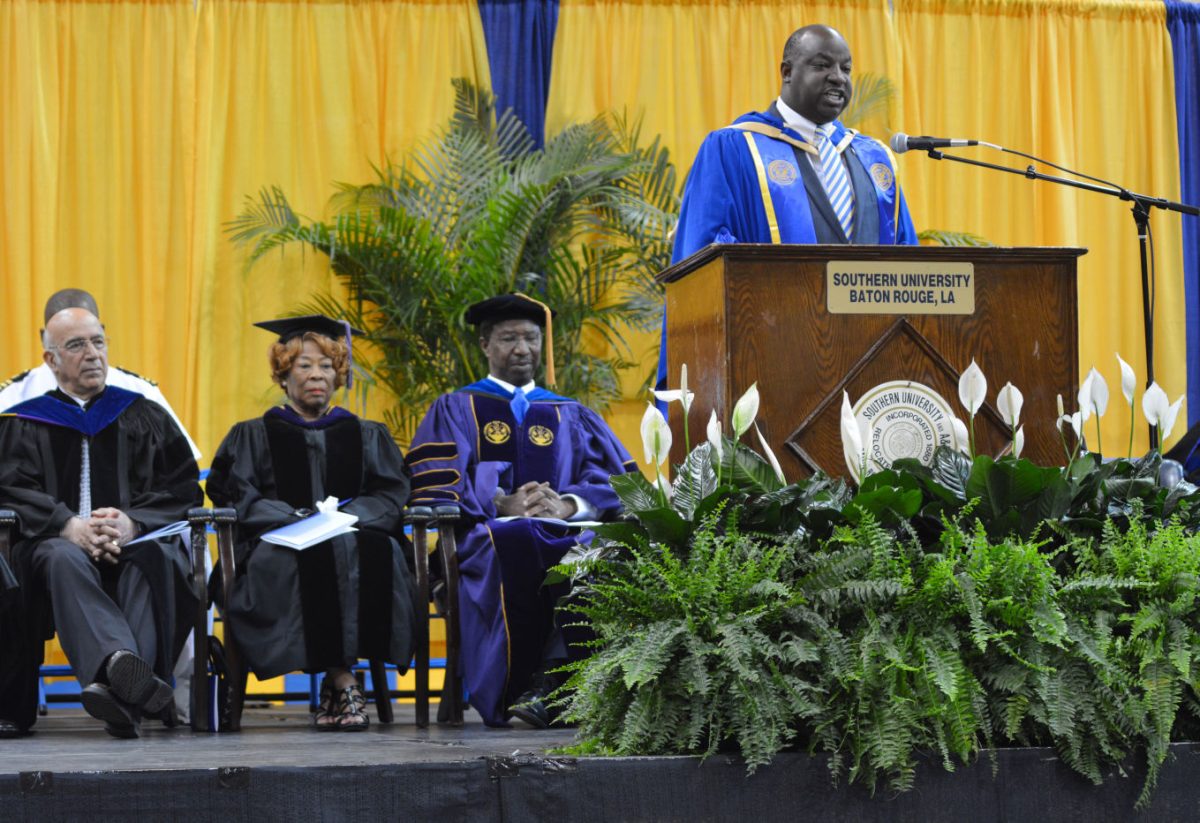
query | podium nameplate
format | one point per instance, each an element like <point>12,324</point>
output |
<point>899,287</point>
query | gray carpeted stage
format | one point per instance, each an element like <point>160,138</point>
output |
<point>277,769</point>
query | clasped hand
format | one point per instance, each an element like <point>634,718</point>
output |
<point>535,500</point>
<point>101,535</point>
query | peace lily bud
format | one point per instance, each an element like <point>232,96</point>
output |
<point>972,388</point>
<point>714,436</point>
<point>685,396</point>
<point>961,435</point>
<point>852,439</point>
<point>744,411</point>
<point>1128,380</point>
<point>1085,396</point>
<point>1099,393</point>
<point>771,458</point>
<point>1061,410</point>
<point>1009,402</point>
<point>1169,422</point>
<point>1019,442</point>
<point>656,436</point>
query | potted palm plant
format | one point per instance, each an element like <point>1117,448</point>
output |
<point>583,224</point>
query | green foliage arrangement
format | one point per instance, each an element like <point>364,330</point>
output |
<point>952,609</point>
<point>582,223</point>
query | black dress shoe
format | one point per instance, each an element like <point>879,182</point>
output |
<point>10,730</point>
<point>120,719</point>
<point>133,680</point>
<point>531,708</point>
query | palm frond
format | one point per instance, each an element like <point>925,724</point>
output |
<point>873,94</point>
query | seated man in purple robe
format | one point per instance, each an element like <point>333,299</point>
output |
<point>519,460</point>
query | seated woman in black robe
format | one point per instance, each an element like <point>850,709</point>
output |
<point>322,608</point>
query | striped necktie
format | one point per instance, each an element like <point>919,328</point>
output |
<point>85,480</point>
<point>836,180</point>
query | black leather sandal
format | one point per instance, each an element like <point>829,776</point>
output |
<point>324,718</point>
<point>352,705</point>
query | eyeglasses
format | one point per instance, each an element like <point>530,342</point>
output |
<point>79,344</point>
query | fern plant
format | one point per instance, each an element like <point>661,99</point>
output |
<point>583,224</point>
<point>943,609</point>
<point>695,650</point>
<point>1152,627</point>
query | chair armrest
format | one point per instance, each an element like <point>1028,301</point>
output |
<point>224,521</point>
<point>8,520</point>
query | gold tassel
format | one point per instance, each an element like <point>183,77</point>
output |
<point>550,381</point>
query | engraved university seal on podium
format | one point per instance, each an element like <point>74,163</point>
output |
<point>900,419</point>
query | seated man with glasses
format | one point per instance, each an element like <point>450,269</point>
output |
<point>87,468</point>
<point>40,379</point>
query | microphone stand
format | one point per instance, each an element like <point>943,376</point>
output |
<point>1141,217</point>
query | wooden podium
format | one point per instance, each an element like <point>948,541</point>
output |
<point>740,314</point>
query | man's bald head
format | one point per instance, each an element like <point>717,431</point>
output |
<point>76,350</point>
<point>69,299</point>
<point>815,73</point>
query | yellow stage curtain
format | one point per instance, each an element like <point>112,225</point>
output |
<point>1088,85</point>
<point>132,131</point>
<point>687,68</point>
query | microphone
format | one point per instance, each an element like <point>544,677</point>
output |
<point>901,143</point>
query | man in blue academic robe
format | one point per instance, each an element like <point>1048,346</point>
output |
<point>519,460</point>
<point>793,173</point>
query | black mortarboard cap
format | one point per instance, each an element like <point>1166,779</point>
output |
<point>515,306</point>
<point>289,327</point>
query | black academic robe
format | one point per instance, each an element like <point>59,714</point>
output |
<point>341,600</point>
<point>141,464</point>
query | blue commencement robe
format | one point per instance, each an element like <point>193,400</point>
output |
<point>468,447</point>
<point>724,202</point>
<point>736,193</point>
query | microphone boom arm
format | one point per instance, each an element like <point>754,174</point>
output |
<point>1141,215</point>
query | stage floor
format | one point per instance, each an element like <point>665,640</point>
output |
<point>277,768</point>
<point>68,740</point>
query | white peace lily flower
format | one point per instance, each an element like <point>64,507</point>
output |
<point>961,435</point>
<point>681,394</point>
<point>852,438</point>
<point>676,395</point>
<point>1076,421</point>
<point>714,436</point>
<point>1155,406</point>
<point>1169,421</point>
<point>1019,442</point>
<point>744,411</point>
<point>1084,397</point>
<point>1009,402</point>
<point>972,388</point>
<point>771,458</point>
<point>656,436</point>
<point>1099,393</point>
<point>1128,380</point>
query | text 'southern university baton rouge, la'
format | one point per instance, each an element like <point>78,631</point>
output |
<point>891,287</point>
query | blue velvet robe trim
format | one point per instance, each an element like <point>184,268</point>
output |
<point>69,414</point>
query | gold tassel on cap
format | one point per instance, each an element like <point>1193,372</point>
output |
<point>550,381</point>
